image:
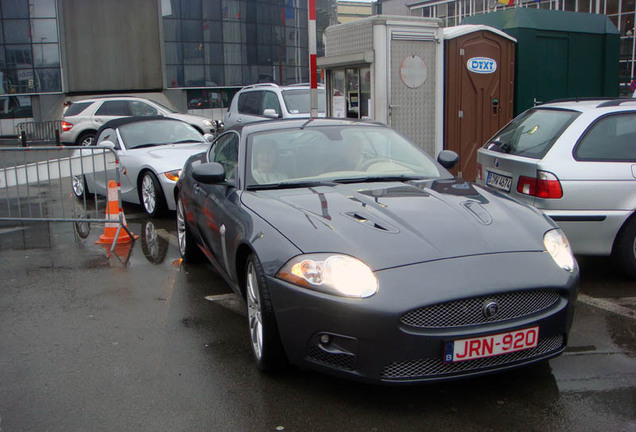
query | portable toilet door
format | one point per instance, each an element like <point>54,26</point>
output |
<point>478,90</point>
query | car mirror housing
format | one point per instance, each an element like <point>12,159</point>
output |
<point>108,144</point>
<point>447,158</point>
<point>270,113</point>
<point>212,172</point>
<point>208,137</point>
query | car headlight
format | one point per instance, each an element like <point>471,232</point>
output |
<point>173,175</point>
<point>207,122</point>
<point>559,248</point>
<point>340,275</point>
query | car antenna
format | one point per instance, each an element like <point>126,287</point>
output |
<point>306,123</point>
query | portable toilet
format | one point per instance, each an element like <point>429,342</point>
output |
<point>559,54</point>
<point>478,90</point>
<point>389,69</point>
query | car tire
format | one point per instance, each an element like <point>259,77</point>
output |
<point>188,247</point>
<point>151,195</point>
<point>625,248</point>
<point>79,186</point>
<point>85,139</point>
<point>267,347</point>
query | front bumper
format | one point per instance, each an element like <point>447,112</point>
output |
<point>366,339</point>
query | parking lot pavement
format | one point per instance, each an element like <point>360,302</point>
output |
<point>138,341</point>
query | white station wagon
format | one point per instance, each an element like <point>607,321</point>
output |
<point>576,161</point>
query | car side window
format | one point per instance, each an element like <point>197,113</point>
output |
<point>114,108</point>
<point>270,101</point>
<point>138,108</point>
<point>611,138</point>
<point>225,152</point>
<point>250,103</point>
<point>107,135</point>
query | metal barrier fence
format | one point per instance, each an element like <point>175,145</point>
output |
<point>45,184</point>
<point>47,131</point>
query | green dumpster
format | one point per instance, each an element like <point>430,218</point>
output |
<point>559,54</point>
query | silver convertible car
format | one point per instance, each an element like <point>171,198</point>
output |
<point>151,152</point>
<point>359,255</point>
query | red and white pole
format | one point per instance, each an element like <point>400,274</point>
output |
<point>313,76</point>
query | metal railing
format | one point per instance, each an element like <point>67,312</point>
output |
<point>38,184</point>
<point>46,131</point>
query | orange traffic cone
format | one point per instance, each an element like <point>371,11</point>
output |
<point>112,213</point>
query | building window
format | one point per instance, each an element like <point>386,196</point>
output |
<point>29,50</point>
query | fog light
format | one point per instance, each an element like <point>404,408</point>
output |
<point>325,339</point>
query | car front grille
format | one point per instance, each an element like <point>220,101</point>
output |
<point>470,312</point>
<point>435,367</point>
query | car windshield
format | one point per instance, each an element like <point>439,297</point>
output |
<point>334,154</point>
<point>158,132</point>
<point>533,133</point>
<point>297,100</point>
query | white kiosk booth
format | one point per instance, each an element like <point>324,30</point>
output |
<point>389,69</point>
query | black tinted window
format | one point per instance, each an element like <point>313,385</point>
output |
<point>250,103</point>
<point>610,138</point>
<point>114,108</point>
<point>76,108</point>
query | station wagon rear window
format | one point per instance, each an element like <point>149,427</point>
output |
<point>533,133</point>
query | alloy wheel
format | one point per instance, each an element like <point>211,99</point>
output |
<point>148,194</point>
<point>78,185</point>
<point>254,311</point>
<point>181,228</point>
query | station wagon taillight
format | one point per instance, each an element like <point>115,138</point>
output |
<point>66,126</point>
<point>479,172</point>
<point>544,185</point>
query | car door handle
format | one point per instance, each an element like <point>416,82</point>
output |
<point>634,171</point>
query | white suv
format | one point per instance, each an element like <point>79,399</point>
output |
<point>82,119</point>
<point>270,101</point>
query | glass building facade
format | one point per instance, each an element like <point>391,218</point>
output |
<point>621,12</point>
<point>215,47</point>
<point>29,54</point>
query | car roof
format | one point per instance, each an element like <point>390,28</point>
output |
<point>102,98</point>
<point>295,123</point>
<point>584,105</point>
<point>115,123</point>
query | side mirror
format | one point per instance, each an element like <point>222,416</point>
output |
<point>270,113</point>
<point>447,158</point>
<point>208,137</point>
<point>209,173</point>
<point>109,144</point>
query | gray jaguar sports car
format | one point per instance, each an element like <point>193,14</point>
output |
<point>359,255</point>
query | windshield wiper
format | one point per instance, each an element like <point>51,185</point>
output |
<point>146,145</point>
<point>188,141</point>
<point>290,185</point>
<point>502,146</point>
<point>384,178</point>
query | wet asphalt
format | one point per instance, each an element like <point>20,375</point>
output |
<point>138,341</point>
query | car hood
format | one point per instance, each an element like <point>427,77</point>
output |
<point>163,158</point>
<point>188,118</point>
<point>394,223</point>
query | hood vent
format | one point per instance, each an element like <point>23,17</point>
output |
<point>370,221</point>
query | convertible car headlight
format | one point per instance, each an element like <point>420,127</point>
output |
<point>340,275</point>
<point>559,248</point>
<point>207,122</point>
<point>173,175</point>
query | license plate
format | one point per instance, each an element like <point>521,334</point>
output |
<point>499,181</point>
<point>489,346</point>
